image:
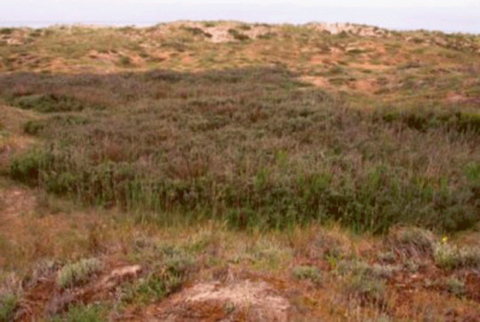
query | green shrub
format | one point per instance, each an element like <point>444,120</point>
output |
<point>307,272</point>
<point>164,280</point>
<point>366,270</point>
<point>49,103</point>
<point>451,257</point>
<point>209,24</point>
<point>237,35</point>
<point>456,287</point>
<point>366,289</point>
<point>8,305</point>
<point>125,61</point>
<point>155,287</point>
<point>469,122</point>
<point>413,241</point>
<point>472,171</point>
<point>27,167</point>
<point>82,313</point>
<point>245,27</point>
<point>424,119</point>
<point>268,35</point>
<point>6,31</point>
<point>77,273</point>
<point>33,127</point>
<point>254,148</point>
<point>37,127</point>
<point>198,32</point>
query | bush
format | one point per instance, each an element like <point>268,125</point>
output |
<point>49,103</point>
<point>8,305</point>
<point>366,270</point>
<point>77,273</point>
<point>164,280</point>
<point>451,257</point>
<point>254,148</point>
<point>36,127</point>
<point>237,35</point>
<point>125,61</point>
<point>412,241</point>
<point>456,287</point>
<point>33,127</point>
<point>27,167</point>
<point>366,289</point>
<point>307,272</point>
<point>425,119</point>
<point>6,31</point>
<point>469,122</point>
<point>198,32</point>
<point>82,313</point>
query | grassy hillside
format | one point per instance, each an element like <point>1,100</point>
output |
<point>335,167</point>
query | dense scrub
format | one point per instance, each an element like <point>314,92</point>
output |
<point>253,147</point>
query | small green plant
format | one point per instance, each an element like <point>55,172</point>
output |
<point>125,61</point>
<point>456,287</point>
<point>6,31</point>
<point>361,268</point>
<point>307,272</point>
<point>198,32</point>
<point>268,35</point>
<point>50,103</point>
<point>8,304</point>
<point>155,287</point>
<point>245,27</point>
<point>386,257</point>
<point>413,241</point>
<point>163,280</point>
<point>27,167</point>
<point>237,35</point>
<point>82,313</point>
<point>472,171</point>
<point>209,24</point>
<point>451,257</point>
<point>366,289</point>
<point>33,127</point>
<point>77,273</point>
<point>412,265</point>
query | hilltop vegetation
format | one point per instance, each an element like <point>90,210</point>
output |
<point>339,154</point>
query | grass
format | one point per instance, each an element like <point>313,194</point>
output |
<point>365,289</point>
<point>8,304</point>
<point>238,35</point>
<point>78,273</point>
<point>82,313</point>
<point>252,147</point>
<point>413,241</point>
<point>451,257</point>
<point>456,287</point>
<point>308,273</point>
<point>163,279</point>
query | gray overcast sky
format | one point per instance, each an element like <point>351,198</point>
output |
<point>446,15</point>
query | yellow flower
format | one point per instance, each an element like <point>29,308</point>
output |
<point>444,239</point>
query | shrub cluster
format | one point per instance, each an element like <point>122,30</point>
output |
<point>252,147</point>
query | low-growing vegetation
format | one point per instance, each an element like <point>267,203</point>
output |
<point>254,147</point>
<point>77,273</point>
<point>82,313</point>
<point>307,272</point>
<point>8,304</point>
<point>451,257</point>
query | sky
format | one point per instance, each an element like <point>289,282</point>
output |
<point>445,15</point>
